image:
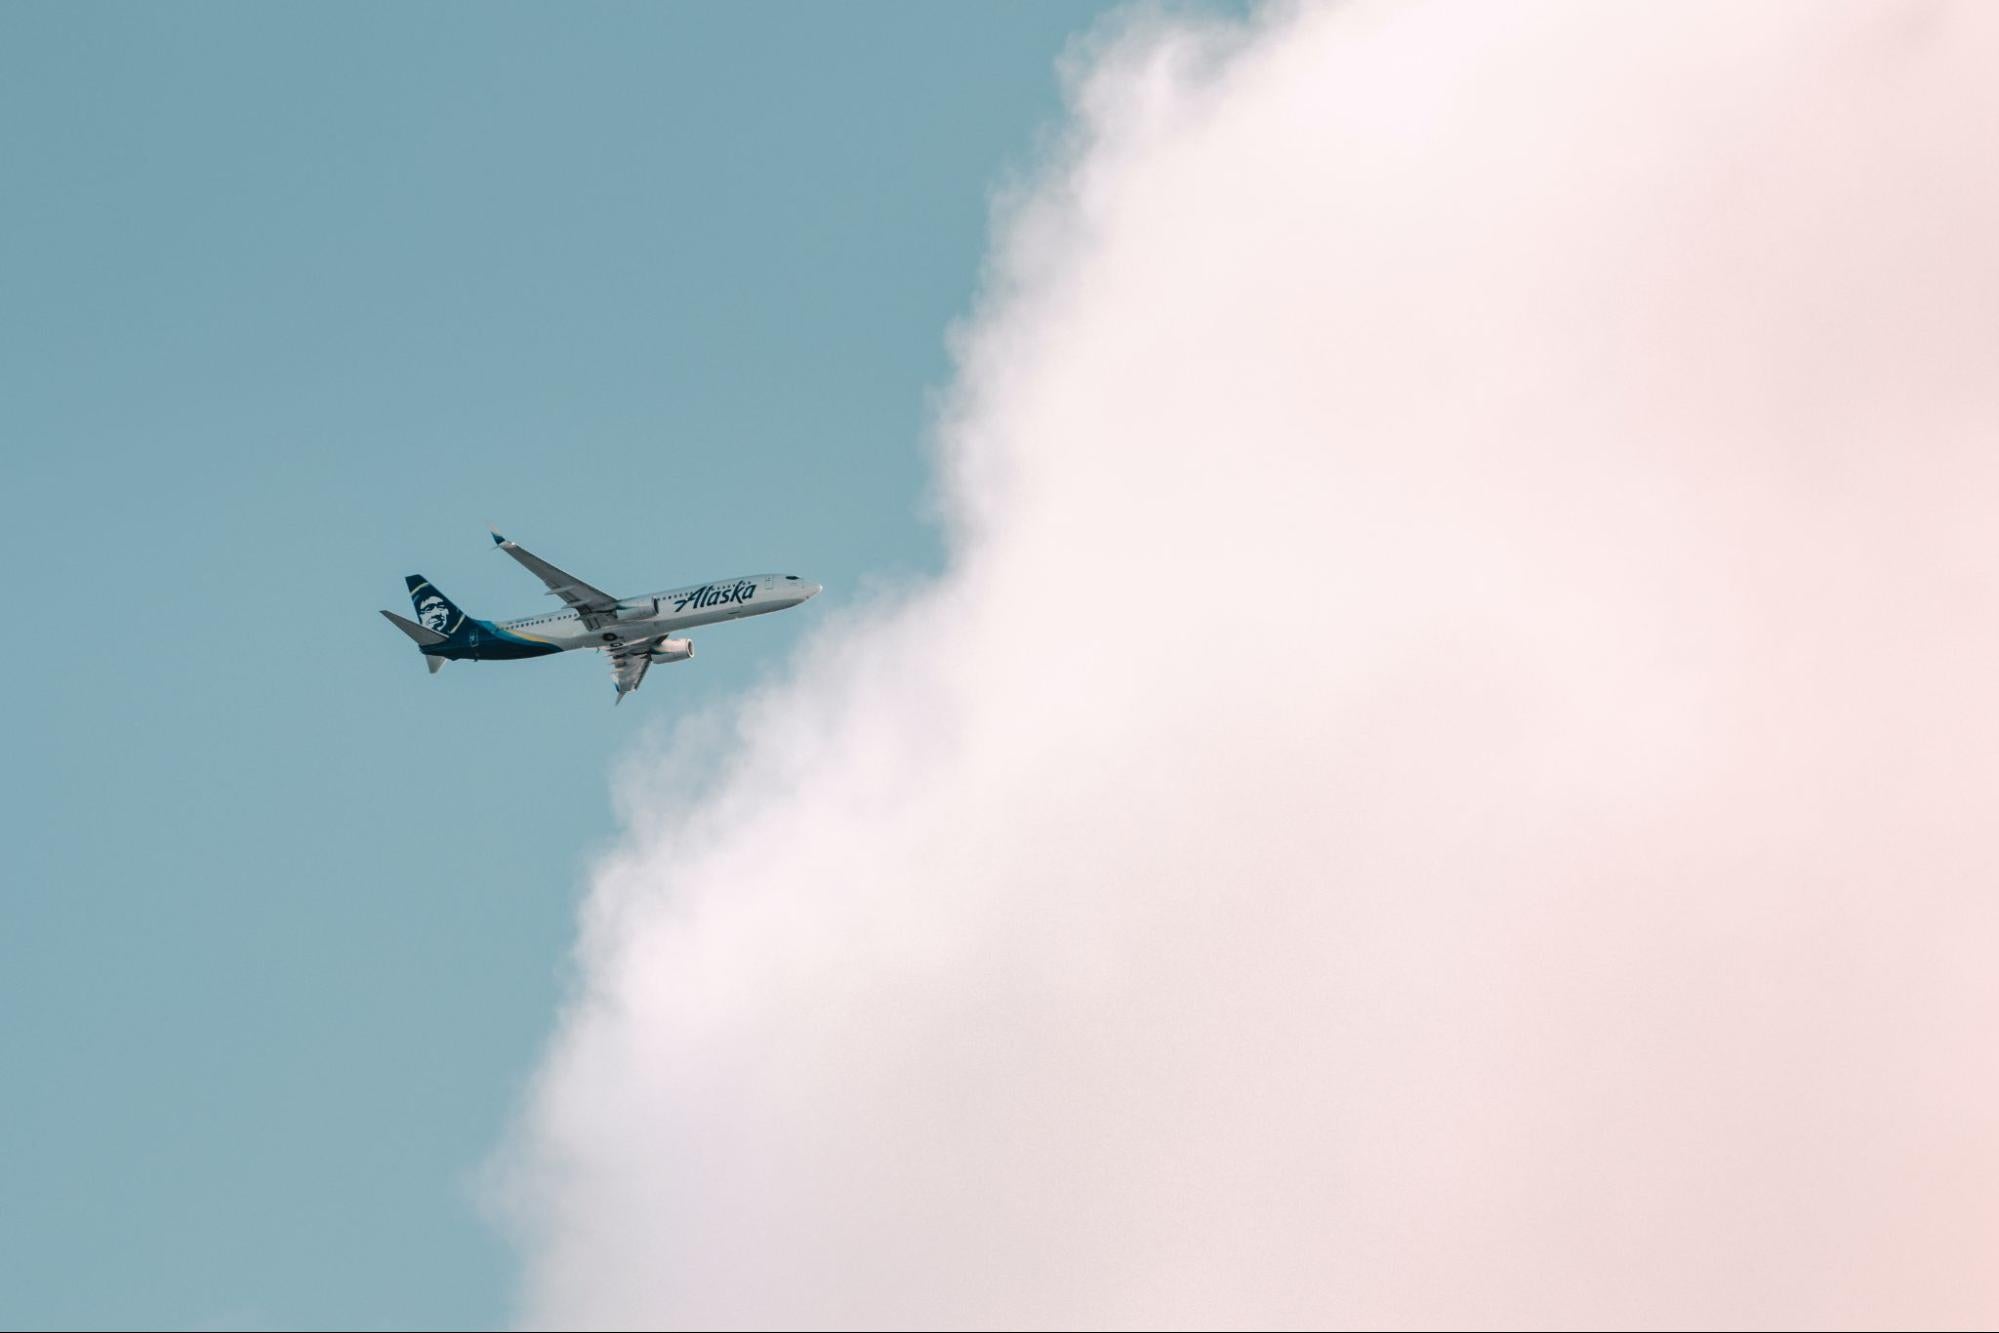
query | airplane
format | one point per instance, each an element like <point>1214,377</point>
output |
<point>637,632</point>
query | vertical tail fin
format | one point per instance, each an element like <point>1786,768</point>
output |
<point>434,611</point>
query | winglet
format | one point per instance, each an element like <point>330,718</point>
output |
<point>498,540</point>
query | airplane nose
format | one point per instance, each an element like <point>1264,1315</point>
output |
<point>813,590</point>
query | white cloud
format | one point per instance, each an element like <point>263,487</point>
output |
<point>1451,778</point>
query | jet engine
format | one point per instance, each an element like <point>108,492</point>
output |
<point>671,650</point>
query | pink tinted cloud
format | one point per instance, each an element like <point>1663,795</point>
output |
<point>1450,779</point>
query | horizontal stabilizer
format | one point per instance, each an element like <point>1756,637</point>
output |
<point>425,638</point>
<point>436,664</point>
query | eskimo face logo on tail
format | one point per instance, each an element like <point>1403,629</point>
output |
<point>709,594</point>
<point>434,614</point>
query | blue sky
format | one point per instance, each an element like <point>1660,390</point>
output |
<point>293,302</point>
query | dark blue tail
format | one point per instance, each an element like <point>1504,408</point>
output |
<point>435,611</point>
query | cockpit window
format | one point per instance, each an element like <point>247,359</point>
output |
<point>792,577</point>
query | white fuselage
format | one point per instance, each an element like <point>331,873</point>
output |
<point>661,613</point>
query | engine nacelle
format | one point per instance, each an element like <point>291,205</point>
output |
<point>668,651</point>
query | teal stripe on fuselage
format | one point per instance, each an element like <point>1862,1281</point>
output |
<point>483,641</point>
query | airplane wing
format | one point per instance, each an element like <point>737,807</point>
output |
<point>597,607</point>
<point>628,666</point>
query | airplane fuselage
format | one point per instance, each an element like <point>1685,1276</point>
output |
<point>637,618</point>
<point>635,633</point>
